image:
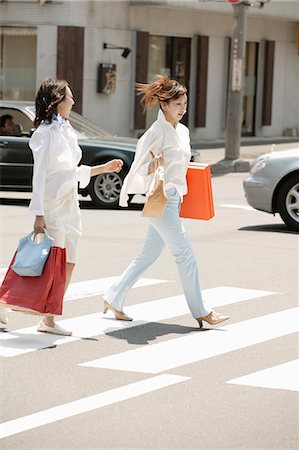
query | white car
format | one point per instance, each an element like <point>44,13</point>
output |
<point>273,185</point>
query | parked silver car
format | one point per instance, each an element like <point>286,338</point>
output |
<point>273,185</point>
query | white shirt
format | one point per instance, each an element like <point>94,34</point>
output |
<point>56,155</point>
<point>174,144</point>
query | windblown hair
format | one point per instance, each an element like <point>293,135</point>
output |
<point>49,95</point>
<point>162,89</point>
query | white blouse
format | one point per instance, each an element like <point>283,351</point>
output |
<point>56,155</point>
<point>174,144</point>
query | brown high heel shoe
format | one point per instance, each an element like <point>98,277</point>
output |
<point>119,315</point>
<point>213,319</point>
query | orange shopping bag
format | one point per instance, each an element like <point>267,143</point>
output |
<point>198,202</point>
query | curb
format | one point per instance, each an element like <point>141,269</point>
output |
<point>231,165</point>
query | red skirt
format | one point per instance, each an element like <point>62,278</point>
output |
<point>41,295</point>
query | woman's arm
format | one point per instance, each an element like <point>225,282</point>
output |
<point>39,145</point>
<point>115,165</point>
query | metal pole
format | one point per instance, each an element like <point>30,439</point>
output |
<point>236,82</point>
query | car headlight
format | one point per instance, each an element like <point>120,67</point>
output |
<point>258,166</point>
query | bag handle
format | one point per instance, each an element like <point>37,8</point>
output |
<point>47,237</point>
<point>159,172</point>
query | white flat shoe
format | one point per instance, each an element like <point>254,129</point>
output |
<point>43,328</point>
<point>3,315</point>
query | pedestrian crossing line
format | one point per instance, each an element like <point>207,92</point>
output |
<point>199,346</point>
<point>90,288</point>
<point>246,207</point>
<point>88,404</point>
<point>284,376</point>
<point>26,340</point>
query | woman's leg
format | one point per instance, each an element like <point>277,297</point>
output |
<point>172,231</point>
<point>69,271</point>
<point>49,320</point>
<point>151,250</point>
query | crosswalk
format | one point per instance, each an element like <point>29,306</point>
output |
<point>185,350</point>
<point>26,340</point>
<point>153,360</point>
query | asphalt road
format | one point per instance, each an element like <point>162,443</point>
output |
<point>160,382</point>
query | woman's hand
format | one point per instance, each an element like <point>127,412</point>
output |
<point>114,166</point>
<point>39,224</point>
<point>158,160</point>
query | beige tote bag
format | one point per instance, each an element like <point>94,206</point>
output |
<point>156,198</point>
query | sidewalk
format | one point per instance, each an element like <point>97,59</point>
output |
<point>248,154</point>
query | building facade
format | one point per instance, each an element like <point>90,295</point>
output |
<point>187,40</point>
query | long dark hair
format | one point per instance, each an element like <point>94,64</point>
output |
<point>49,95</point>
<point>163,89</point>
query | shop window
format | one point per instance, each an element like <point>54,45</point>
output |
<point>170,56</point>
<point>17,63</point>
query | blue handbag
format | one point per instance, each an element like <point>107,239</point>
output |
<point>31,257</point>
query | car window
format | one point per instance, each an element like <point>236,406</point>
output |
<point>85,128</point>
<point>22,123</point>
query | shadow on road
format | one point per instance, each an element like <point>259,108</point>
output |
<point>272,228</point>
<point>88,205</point>
<point>143,334</point>
<point>14,201</point>
<point>84,204</point>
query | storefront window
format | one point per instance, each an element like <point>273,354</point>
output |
<point>17,63</point>
<point>169,56</point>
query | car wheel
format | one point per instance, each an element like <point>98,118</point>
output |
<point>105,188</point>
<point>288,202</point>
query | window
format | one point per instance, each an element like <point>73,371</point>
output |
<point>17,63</point>
<point>169,56</point>
<point>22,122</point>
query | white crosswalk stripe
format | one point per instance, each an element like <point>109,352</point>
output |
<point>87,404</point>
<point>153,358</point>
<point>90,288</point>
<point>26,340</point>
<point>284,376</point>
<point>167,355</point>
<point>245,207</point>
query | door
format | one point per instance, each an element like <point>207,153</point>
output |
<point>249,95</point>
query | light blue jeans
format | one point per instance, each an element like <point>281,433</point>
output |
<point>166,230</point>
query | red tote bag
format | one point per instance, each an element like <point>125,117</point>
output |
<point>198,202</point>
<point>42,295</point>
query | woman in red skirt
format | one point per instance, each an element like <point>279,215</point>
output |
<point>56,175</point>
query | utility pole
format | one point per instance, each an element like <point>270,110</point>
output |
<point>236,80</point>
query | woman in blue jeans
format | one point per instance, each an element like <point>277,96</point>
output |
<point>166,143</point>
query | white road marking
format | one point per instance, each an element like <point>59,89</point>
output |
<point>91,288</point>
<point>285,376</point>
<point>247,208</point>
<point>26,340</point>
<point>87,404</point>
<point>167,355</point>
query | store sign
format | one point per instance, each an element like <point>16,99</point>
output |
<point>237,74</point>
